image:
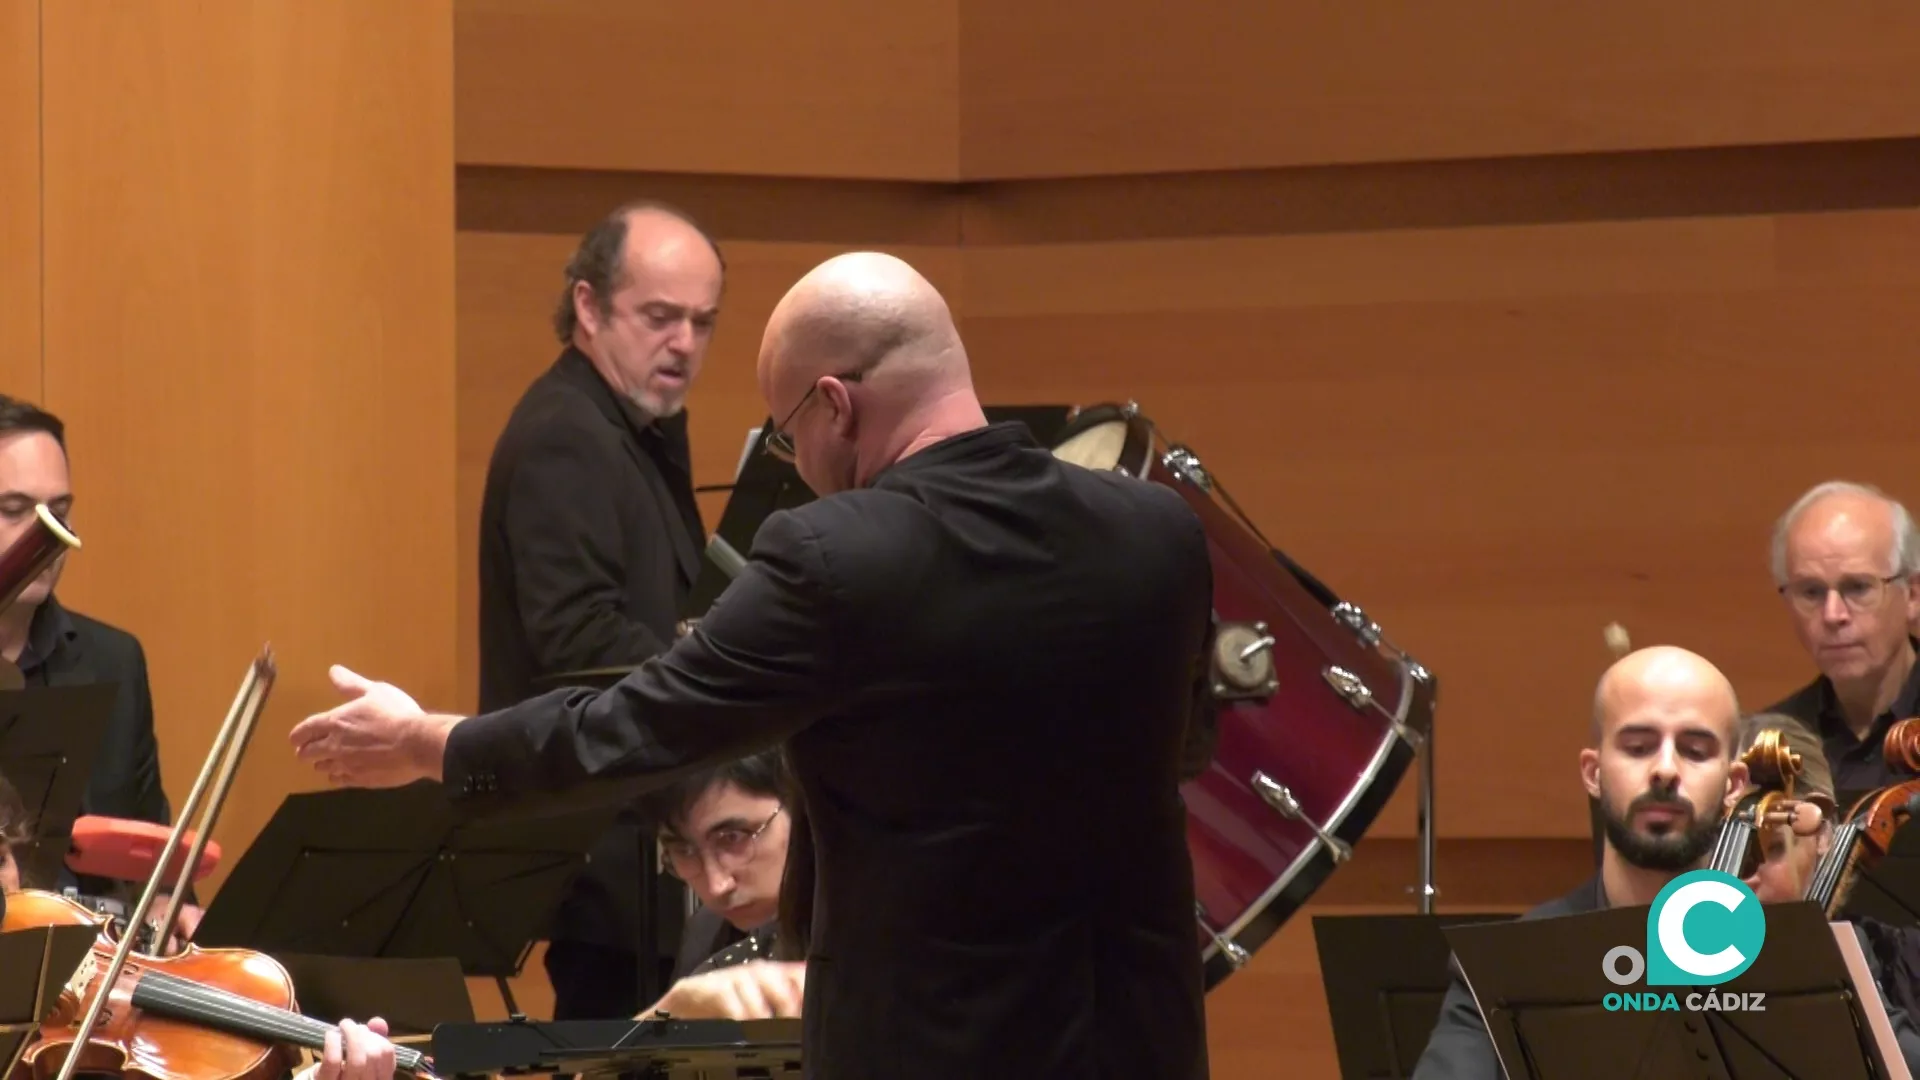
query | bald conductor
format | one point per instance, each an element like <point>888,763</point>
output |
<point>980,657</point>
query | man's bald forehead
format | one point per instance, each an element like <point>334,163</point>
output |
<point>1664,674</point>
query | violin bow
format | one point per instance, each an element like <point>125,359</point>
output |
<point>228,745</point>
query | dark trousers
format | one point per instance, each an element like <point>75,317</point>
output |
<point>593,982</point>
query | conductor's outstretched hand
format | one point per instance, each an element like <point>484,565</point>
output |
<point>378,738</point>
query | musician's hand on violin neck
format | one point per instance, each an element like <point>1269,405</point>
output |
<point>357,1052</point>
<point>379,738</point>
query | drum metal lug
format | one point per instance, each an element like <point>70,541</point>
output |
<point>1281,799</point>
<point>1355,619</point>
<point>1243,662</point>
<point>1185,464</point>
<point>1131,409</point>
<point>1348,685</point>
<point>1235,955</point>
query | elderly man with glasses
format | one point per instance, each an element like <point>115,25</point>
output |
<point>1846,560</point>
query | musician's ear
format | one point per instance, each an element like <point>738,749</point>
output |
<point>1736,778</point>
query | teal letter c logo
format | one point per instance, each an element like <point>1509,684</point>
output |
<point>1704,928</point>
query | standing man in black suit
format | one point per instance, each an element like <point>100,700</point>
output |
<point>981,659</point>
<point>52,645</point>
<point>590,536</point>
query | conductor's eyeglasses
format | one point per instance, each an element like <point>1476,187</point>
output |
<point>730,849</point>
<point>1860,593</point>
<point>780,444</point>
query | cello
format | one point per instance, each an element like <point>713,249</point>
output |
<point>196,1014</point>
<point>1865,835</point>
<point>1769,800</point>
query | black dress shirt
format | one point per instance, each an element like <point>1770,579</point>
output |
<point>1859,765</point>
<point>66,648</point>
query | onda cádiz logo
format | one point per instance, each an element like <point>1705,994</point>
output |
<point>1704,928</point>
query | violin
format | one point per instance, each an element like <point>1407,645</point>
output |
<point>196,1014</point>
<point>1867,832</point>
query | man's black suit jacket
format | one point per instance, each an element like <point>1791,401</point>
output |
<point>590,542</point>
<point>982,664</point>
<point>66,648</point>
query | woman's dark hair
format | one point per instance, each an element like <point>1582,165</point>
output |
<point>763,774</point>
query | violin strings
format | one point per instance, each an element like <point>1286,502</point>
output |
<point>162,993</point>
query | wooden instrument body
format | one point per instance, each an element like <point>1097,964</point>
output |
<point>133,1042</point>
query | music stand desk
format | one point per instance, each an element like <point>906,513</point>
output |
<point>49,738</point>
<point>401,874</point>
<point>35,965</point>
<point>642,1050</point>
<point>1540,986</point>
<point>1385,978</point>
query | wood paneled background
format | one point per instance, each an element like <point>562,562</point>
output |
<point>1507,324</point>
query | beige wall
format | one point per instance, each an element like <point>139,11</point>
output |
<point>245,261</point>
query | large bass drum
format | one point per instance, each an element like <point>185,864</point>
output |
<point>1319,715</point>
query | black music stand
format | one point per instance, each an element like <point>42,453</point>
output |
<point>1385,977</point>
<point>1540,986</point>
<point>412,995</point>
<point>641,1050</point>
<point>399,874</point>
<point>35,965</point>
<point>49,738</point>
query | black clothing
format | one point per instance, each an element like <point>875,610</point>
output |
<point>982,665</point>
<point>590,542</point>
<point>1859,765</point>
<point>66,648</point>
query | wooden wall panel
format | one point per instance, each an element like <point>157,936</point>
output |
<point>1084,88</point>
<point>250,331</point>
<point>508,284</point>
<point>20,198</point>
<point>1499,440</point>
<point>846,88</point>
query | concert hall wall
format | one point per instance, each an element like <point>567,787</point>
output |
<point>1508,323</point>
<point>226,261</point>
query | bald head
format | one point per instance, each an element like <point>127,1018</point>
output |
<point>873,342</point>
<point>1665,679</point>
<point>1665,732</point>
<point>864,313</point>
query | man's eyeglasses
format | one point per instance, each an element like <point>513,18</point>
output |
<point>730,849</point>
<point>1860,593</point>
<point>780,444</point>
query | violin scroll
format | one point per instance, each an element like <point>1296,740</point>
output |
<point>1771,765</point>
<point>1902,746</point>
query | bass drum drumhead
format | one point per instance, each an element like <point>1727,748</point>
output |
<point>1107,438</point>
